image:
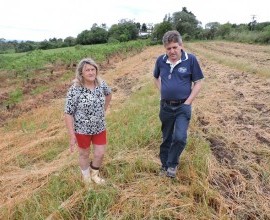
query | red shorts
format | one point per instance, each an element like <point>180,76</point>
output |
<point>84,140</point>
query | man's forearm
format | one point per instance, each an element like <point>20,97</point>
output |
<point>195,91</point>
<point>157,83</point>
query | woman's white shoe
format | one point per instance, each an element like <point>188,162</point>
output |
<point>95,177</point>
<point>86,179</point>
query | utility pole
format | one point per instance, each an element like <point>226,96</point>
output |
<point>253,22</point>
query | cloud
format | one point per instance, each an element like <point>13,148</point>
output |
<point>39,20</point>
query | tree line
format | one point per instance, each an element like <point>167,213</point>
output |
<point>184,21</point>
<point>191,29</point>
<point>125,30</point>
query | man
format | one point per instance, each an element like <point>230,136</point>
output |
<point>178,76</point>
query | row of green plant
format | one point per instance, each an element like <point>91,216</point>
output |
<point>20,68</point>
<point>23,65</point>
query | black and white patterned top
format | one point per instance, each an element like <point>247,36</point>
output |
<point>88,108</point>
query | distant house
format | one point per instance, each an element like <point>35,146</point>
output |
<point>148,31</point>
<point>144,34</point>
<point>150,27</point>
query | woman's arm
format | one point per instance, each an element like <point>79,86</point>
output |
<point>69,120</point>
<point>107,100</point>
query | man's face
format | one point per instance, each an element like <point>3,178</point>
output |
<point>173,50</point>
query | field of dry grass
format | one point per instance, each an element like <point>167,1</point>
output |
<point>231,115</point>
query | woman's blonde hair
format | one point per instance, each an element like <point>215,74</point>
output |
<point>78,81</point>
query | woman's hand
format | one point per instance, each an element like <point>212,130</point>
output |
<point>72,138</point>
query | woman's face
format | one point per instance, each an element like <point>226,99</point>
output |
<point>89,73</point>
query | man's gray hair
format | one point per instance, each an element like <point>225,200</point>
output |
<point>172,37</point>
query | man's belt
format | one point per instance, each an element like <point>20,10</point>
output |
<point>173,102</point>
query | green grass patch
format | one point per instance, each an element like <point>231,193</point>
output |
<point>67,76</point>
<point>44,202</point>
<point>14,97</point>
<point>53,149</point>
<point>137,124</point>
<point>43,151</point>
<point>39,90</point>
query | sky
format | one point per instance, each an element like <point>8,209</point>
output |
<point>39,20</point>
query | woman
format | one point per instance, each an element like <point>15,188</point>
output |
<point>86,103</point>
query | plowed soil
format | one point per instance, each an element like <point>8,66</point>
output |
<point>233,111</point>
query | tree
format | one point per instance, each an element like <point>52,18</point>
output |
<point>186,23</point>
<point>98,35</point>
<point>224,30</point>
<point>211,30</point>
<point>70,41</point>
<point>125,30</point>
<point>7,46</point>
<point>83,37</point>
<point>138,25</point>
<point>160,29</point>
<point>104,26</point>
<point>56,43</point>
<point>167,18</point>
<point>144,27</point>
<point>45,45</point>
<point>25,46</point>
<point>264,36</point>
<point>261,26</point>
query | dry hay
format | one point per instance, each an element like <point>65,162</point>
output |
<point>233,113</point>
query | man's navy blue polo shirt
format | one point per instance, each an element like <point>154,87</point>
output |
<point>176,83</point>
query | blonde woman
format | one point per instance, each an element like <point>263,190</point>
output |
<point>86,102</point>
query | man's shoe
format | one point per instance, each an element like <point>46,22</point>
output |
<point>171,172</point>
